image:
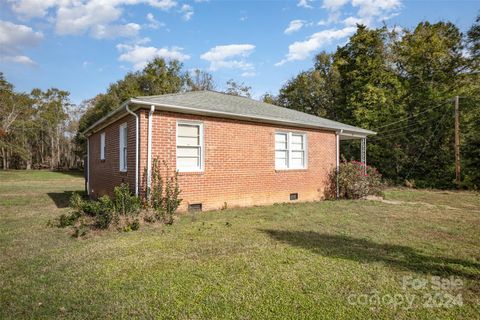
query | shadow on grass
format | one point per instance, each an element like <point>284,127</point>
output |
<point>73,172</point>
<point>61,199</point>
<point>362,250</point>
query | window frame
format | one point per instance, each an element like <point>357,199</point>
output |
<point>123,137</point>
<point>201,145</point>
<point>102,146</point>
<point>289,150</point>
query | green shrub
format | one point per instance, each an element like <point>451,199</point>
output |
<point>132,226</point>
<point>76,202</point>
<point>106,214</point>
<point>125,203</point>
<point>354,183</point>
<point>91,208</point>
<point>135,225</point>
<point>66,220</point>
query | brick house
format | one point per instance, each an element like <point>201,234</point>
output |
<point>227,149</point>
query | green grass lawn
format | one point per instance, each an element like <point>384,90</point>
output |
<point>306,260</point>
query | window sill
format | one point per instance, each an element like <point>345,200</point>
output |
<point>190,173</point>
<point>292,170</point>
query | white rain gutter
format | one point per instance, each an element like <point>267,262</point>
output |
<point>149,150</point>
<point>136,147</point>
<point>338,160</point>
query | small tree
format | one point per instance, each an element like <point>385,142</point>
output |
<point>163,195</point>
<point>171,200</point>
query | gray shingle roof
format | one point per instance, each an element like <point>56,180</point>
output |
<point>234,106</point>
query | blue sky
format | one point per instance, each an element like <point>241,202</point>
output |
<point>83,45</point>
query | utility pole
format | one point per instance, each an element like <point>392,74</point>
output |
<point>457,142</point>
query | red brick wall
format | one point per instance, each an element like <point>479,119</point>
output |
<point>106,174</point>
<point>240,162</point>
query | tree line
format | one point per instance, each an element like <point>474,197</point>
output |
<point>44,129</point>
<point>37,129</point>
<point>401,84</point>
<point>397,82</point>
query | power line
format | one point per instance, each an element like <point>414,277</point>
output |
<point>415,115</point>
<point>397,131</point>
<point>425,146</point>
<point>401,128</point>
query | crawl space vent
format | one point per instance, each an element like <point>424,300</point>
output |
<point>195,207</point>
<point>293,196</point>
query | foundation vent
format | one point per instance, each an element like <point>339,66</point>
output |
<point>195,207</point>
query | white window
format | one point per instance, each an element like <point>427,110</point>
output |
<point>290,150</point>
<point>123,147</point>
<point>189,146</point>
<point>102,146</point>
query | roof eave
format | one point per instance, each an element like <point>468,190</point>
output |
<point>102,122</point>
<point>222,114</point>
<point>121,112</point>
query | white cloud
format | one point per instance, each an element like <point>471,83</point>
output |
<point>353,21</point>
<point>333,17</point>
<point>229,56</point>
<point>96,17</point>
<point>161,4</point>
<point>154,23</point>
<point>14,38</point>
<point>294,26</point>
<point>304,4</point>
<point>368,11</point>
<point>300,50</point>
<point>248,74</point>
<point>114,31</point>
<point>187,12</point>
<point>33,8</point>
<point>19,59</point>
<point>334,4</point>
<point>139,55</point>
<point>375,8</point>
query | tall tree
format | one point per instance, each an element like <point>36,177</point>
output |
<point>14,108</point>
<point>430,63</point>
<point>238,89</point>
<point>314,91</point>
<point>52,110</point>
<point>200,80</point>
<point>470,111</point>
<point>369,94</point>
<point>158,77</point>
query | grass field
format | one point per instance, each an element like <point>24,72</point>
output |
<point>329,259</point>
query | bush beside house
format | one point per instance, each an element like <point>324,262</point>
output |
<point>125,212</point>
<point>356,180</point>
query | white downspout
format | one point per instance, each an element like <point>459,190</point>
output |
<point>88,166</point>
<point>338,161</point>
<point>136,147</point>
<point>149,150</point>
